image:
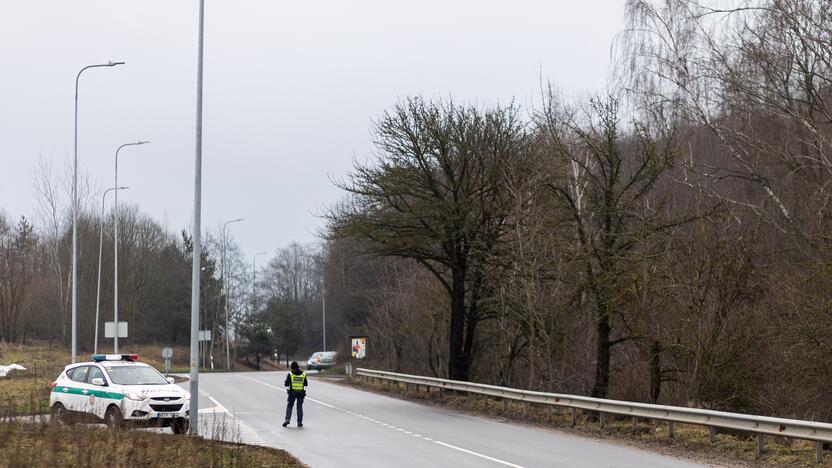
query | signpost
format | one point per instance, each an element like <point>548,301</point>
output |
<point>167,353</point>
<point>109,330</point>
<point>204,335</point>
<point>358,348</point>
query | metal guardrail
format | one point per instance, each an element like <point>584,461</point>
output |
<point>760,425</point>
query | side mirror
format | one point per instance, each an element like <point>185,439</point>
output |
<point>97,381</point>
<point>171,379</point>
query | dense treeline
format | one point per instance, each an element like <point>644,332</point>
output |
<point>666,241</point>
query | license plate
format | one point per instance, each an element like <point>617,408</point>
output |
<point>165,415</point>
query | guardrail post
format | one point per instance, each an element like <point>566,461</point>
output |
<point>525,409</point>
<point>548,413</point>
<point>712,434</point>
<point>505,405</point>
<point>761,443</point>
<point>574,414</point>
<point>602,419</point>
<point>635,423</point>
<point>819,452</point>
<point>670,429</point>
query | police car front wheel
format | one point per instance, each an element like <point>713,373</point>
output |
<point>180,426</point>
<point>113,418</point>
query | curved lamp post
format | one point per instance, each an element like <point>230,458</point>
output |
<point>100,250</point>
<point>75,215</point>
<point>115,247</point>
<point>225,292</point>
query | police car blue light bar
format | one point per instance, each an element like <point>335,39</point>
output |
<point>115,357</point>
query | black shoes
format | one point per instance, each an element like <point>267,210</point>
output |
<point>300,424</point>
<point>285,423</point>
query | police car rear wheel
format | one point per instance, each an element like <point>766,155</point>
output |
<point>59,415</point>
<point>113,418</point>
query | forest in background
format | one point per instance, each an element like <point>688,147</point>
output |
<point>665,240</point>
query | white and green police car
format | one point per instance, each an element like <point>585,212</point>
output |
<point>118,390</point>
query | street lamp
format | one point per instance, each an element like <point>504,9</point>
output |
<point>224,292</point>
<point>323,294</point>
<point>100,250</point>
<point>254,281</point>
<point>115,246</point>
<point>75,215</point>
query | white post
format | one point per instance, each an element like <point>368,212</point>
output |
<point>193,407</point>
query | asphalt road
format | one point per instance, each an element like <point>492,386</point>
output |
<point>346,427</point>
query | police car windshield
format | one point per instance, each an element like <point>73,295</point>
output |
<point>135,375</point>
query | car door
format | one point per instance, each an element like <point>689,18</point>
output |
<point>99,395</point>
<point>74,390</point>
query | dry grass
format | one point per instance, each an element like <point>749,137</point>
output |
<point>689,441</point>
<point>27,392</point>
<point>50,445</point>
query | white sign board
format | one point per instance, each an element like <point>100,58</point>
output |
<point>205,335</point>
<point>109,330</point>
<point>167,352</point>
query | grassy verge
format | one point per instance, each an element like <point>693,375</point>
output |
<point>27,392</point>
<point>689,441</point>
<point>50,445</point>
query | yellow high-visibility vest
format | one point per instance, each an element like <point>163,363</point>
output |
<point>297,381</point>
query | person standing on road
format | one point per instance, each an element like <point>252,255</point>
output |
<point>296,388</point>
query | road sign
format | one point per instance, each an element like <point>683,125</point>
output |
<point>205,335</point>
<point>167,353</point>
<point>109,330</point>
<point>359,347</point>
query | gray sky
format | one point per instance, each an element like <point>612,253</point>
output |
<point>291,88</point>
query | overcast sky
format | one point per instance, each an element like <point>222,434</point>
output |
<point>291,88</point>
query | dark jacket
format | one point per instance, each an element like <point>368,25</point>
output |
<point>288,382</point>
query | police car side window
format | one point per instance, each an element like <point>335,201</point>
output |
<point>95,372</point>
<point>79,374</point>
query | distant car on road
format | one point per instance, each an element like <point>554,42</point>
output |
<point>118,390</point>
<point>321,360</point>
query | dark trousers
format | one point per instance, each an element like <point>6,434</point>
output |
<point>298,396</point>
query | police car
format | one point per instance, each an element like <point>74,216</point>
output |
<point>118,390</point>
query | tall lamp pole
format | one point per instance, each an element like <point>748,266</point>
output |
<point>323,293</point>
<point>224,293</point>
<point>75,216</point>
<point>254,282</point>
<point>115,246</point>
<point>196,252</point>
<point>100,251</point>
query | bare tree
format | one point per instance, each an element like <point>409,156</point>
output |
<point>435,194</point>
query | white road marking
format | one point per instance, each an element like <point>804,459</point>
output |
<point>428,439</point>
<point>495,460</point>
<point>246,434</point>
<point>218,408</point>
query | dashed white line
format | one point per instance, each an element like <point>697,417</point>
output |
<point>427,439</point>
<point>470,452</point>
